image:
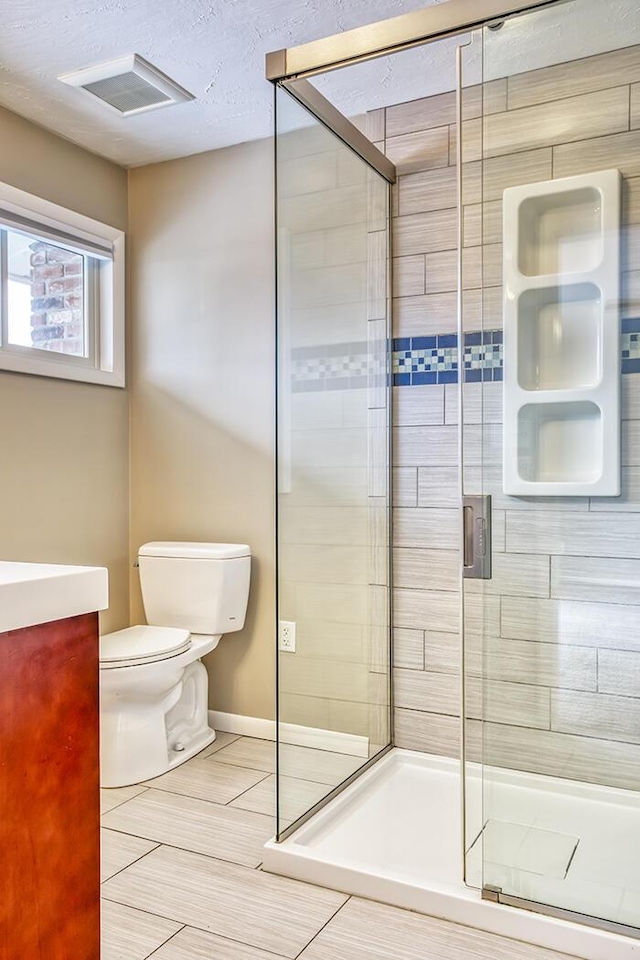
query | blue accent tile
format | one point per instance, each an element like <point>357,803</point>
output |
<point>447,340</point>
<point>402,344</point>
<point>632,325</point>
<point>631,366</point>
<point>497,373</point>
<point>401,379</point>
<point>423,343</point>
<point>473,376</point>
<point>486,375</point>
<point>626,354</point>
<point>424,377</point>
<point>496,336</point>
<point>472,339</point>
<point>448,376</point>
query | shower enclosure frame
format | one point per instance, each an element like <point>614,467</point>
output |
<point>289,69</point>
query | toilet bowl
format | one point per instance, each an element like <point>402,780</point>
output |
<point>153,684</point>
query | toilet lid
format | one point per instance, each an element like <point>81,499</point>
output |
<point>143,644</point>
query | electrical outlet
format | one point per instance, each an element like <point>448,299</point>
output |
<point>287,636</point>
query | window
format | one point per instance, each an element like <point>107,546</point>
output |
<point>61,292</point>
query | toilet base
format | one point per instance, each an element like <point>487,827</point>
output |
<point>199,743</point>
<point>153,717</point>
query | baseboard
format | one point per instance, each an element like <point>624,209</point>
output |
<point>314,737</point>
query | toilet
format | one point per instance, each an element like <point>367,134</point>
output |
<point>153,684</point>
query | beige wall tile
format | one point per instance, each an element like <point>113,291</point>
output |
<point>596,715</point>
<point>427,190</point>
<point>598,579</point>
<point>425,528</point>
<point>515,575</point>
<point>408,648</point>
<point>570,622</point>
<point>619,672</point>
<point>517,704</point>
<point>425,446</point>
<point>427,732</point>
<point>422,150</point>
<point>438,487</point>
<point>546,664</point>
<point>442,652</point>
<point>418,405</point>
<point>426,609</point>
<point>621,151</point>
<point>562,122</point>
<point>581,76</point>
<point>408,276</point>
<point>472,137</point>
<point>326,525</point>
<point>437,692</point>
<point>628,501</point>
<point>482,223</point>
<point>425,232</point>
<point>405,487</point>
<point>419,316</point>
<point>578,533</point>
<point>562,755</point>
<point>374,126</point>
<point>421,569</point>
<point>424,114</point>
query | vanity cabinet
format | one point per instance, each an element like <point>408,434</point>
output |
<point>49,789</point>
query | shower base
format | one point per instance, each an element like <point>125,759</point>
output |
<point>395,836</point>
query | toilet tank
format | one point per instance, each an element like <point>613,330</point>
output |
<point>200,587</point>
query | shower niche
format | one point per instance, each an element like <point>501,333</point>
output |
<point>562,337</point>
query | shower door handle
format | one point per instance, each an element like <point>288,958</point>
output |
<point>476,521</point>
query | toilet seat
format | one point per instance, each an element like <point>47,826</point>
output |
<point>142,644</point>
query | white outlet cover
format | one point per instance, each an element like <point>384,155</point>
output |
<point>287,636</point>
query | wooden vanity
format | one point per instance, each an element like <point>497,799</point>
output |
<point>49,761</point>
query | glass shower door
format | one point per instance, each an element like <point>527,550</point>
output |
<point>333,461</point>
<point>555,717</point>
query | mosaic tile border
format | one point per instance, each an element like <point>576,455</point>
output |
<point>417,361</point>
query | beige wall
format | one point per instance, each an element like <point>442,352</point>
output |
<point>64,446</point>
<point>202,383</point>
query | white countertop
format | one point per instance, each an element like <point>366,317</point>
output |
<point>32,593</point>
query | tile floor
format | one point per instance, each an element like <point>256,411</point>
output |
<point>182,879</point>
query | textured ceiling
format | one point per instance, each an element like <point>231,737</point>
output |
<point>216,49</point>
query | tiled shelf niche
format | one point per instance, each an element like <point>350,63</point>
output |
<point>561,337</point>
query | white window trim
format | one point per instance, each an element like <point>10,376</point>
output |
<point>111,354</point>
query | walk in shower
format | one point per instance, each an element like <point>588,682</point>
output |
<point>458,320</point>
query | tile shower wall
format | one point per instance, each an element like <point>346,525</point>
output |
<point>561,614</point>
<point>333,428</point>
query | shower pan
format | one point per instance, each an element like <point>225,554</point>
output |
<point>458,446</point>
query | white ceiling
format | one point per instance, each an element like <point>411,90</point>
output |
<point>214,48</point>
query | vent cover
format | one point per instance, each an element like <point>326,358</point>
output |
<point>128,85</point>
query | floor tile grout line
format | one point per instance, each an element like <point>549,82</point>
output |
<point>137,860</point>
<point>122,802</point>
<point>174,846</point>
<point>147,913</point>
<point>165,942</point>
<point>324,926</point>
<point>207,930</point>
<point>233,800</point>
<point>192,796</point>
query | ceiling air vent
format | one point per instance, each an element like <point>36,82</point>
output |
<point>128,85</point>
